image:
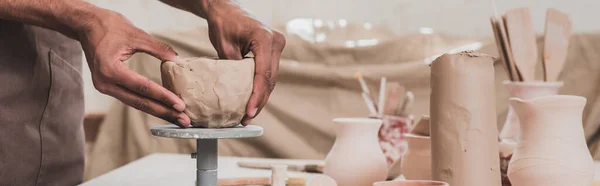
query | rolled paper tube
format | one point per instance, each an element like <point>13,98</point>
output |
<point>464,136</point>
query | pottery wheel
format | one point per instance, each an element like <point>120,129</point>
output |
<point>206,145</point>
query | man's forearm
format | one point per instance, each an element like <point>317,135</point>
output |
<point>67,17</point>
<point>201,8</point>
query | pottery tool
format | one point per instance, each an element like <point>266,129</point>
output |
<point>278,174</point>
<point>522,41</point>
<point>394,96</point>
<point>408,100</point>
<point>510,61</point>
<point>292,181</point>
<point>365,88</point>
<point>312,168</point>
<point>381,104</point>
<point>206,145</point>
<point>370,104</point>
<point>556,43</point>
<point>501,46</point>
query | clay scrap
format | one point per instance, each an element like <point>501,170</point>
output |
<point>215,91</point>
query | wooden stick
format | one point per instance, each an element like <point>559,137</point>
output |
<point>394,97</point>
<point>292,181</point>
<point>556,43</point>
<point>381,104</point>
<point>522,41</point>
<point>501,48</point>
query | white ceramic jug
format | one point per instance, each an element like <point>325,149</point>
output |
<point>552,150</point>
<point>356,158</point>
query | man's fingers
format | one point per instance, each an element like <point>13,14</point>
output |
<point>143,86</point>
<point>148,105</point>
<point>261,47</point>
<point>229,51</point>
<point>277,48</point>
<point>156,48</point>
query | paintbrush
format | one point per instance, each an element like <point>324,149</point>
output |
<point>381,104</point>
<point>366,94</point>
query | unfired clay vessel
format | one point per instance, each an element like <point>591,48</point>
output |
<point>552,150</point>
<point>215,92</point>
<point>464,135</point>
<point>356,158</point>
<point>416,162</point>
<point>524,90</point>
<point>411,183</point>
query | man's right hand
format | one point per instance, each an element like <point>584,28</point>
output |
<point>108,39</point>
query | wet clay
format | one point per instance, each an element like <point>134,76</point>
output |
<point>464,136</point>
<point>215,92</point>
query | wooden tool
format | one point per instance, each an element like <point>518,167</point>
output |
<point>522,41</point>
<point>381,105</point>
<point>409,98</point>
<point>312,168</point>
<point>503,48</point>
<point>292,181</point>
<point>394,97</point>
<point>556,43</point>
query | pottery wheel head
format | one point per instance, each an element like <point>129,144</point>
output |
<point>173,131</point>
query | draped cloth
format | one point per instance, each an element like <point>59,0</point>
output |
<point>316,83</point>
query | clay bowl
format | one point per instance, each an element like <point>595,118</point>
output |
<point>410,183</point>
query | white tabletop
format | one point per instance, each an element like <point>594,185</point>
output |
<point>180,169</point>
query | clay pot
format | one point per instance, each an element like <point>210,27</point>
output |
<point>356,157</point>
<point>411,183</point>
<point>464,133</point>
<point>416,162</point>
<point>552,150</point>
<point>392,142</point>
<point>524,90</point>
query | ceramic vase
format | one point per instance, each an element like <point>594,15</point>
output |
<point>464,134</point>
<point>524,90</point>
<point>551,150</point>
<point>416,162</point>
<point>411,183</point>
<point>356,157</point>
<point>392,141</point>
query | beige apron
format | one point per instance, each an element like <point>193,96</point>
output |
<point>41,107</point>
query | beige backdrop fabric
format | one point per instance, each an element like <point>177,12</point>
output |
<point>316,83</point>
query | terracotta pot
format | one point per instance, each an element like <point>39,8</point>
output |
<point>411,183</point>
<point>524,90</point>
<point>552,150</point>
<point>356,157</point>
<point>392,142</point>
<point>464,133</point>
<point>416,162</point>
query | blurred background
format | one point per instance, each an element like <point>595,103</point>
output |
<point>328,41</point>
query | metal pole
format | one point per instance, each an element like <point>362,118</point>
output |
<point>206,162</point>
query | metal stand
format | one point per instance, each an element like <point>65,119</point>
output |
<point>206,146</point>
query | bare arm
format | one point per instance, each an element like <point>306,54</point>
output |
<point>108,39</point>
<point>51,14</point>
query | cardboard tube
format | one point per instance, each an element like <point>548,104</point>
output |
<point>464,136</point>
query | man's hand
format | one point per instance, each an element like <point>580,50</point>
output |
<point>107,39</point>
<point>107,43</point>
<point>234,33</point>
